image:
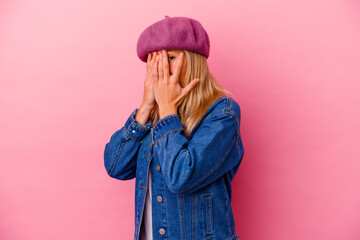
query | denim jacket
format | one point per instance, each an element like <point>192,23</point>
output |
<point>191,176</point>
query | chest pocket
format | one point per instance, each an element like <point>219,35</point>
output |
<point>208,216</point>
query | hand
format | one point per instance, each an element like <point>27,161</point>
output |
<point>148,101</point>
<point>168,92</point>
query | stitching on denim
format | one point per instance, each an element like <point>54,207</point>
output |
<point>208,198</point>
<point>211,214</point>
<point>212,169</point>
<point>166,119</point>
<point>138,124</point>
<point>135,139</point>
<point>116,157</point>
<point>126,129</point>
<point>229,113</point>
<point>164,201</point>
<point>142,210</point>
<point>204,215</point>
<point>213,113</point>
<point>203,119</point>
<point>182,202</point>
<point>183,214</point>
<point>227,106</point>
<point>167,133</point>
<point>129,134</point>
<point>235,117</point>
<point>226,111</point>
<point>237,145</point>
<point>193,206</point>
<point>233,114</point>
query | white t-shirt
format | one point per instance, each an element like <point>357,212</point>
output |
<point>147,218</point>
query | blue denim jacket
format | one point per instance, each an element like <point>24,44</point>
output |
<point>192,175</point>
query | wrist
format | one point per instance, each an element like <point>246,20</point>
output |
<point>145,108</point>
<point>142,116</point>
<point>167,111</point>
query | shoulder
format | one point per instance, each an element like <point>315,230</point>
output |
<point>225,105</point>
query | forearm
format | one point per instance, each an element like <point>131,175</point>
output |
<point>121,151</point>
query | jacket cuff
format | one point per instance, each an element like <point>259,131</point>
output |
<point>166,125</point>
<point>134,129</point>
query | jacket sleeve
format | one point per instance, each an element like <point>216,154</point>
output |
<point>189,165</point>
<point>121,151</point>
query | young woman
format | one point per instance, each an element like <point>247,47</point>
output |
<point>183,143</point>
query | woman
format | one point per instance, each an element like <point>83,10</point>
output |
<point>183,143</point>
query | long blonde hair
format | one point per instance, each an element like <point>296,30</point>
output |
<point>201,96</point>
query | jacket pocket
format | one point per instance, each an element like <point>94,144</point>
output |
<point>208,215</point>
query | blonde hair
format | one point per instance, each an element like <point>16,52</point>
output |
<point>201,96</point>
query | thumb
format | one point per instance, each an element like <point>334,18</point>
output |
<point>186,90</point>
<point>192,84</point>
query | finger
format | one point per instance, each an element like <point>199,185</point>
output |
<point>188,87</point>
<point>153,62</point>
<point>178,66</point>
<point>155,75</point>
<point>153,57</point>
<point>148,63</point>
<point>148,58</point>
<point>165,64</point>
<point>161,72</point>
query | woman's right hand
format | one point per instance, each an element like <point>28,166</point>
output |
<point>148,101</point>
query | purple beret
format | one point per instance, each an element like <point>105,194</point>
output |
<point>173,33</point>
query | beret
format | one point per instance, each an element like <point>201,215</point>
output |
<point>173,33</point>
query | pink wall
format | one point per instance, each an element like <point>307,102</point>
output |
<point>70,77</point>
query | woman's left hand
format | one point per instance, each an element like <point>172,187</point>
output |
<point>167,90</point>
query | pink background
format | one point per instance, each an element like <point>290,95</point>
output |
<point>70,77</point>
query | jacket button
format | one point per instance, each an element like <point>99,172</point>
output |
<point>162,231</point>
<point>159,198</point>
<point>158,168</point>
